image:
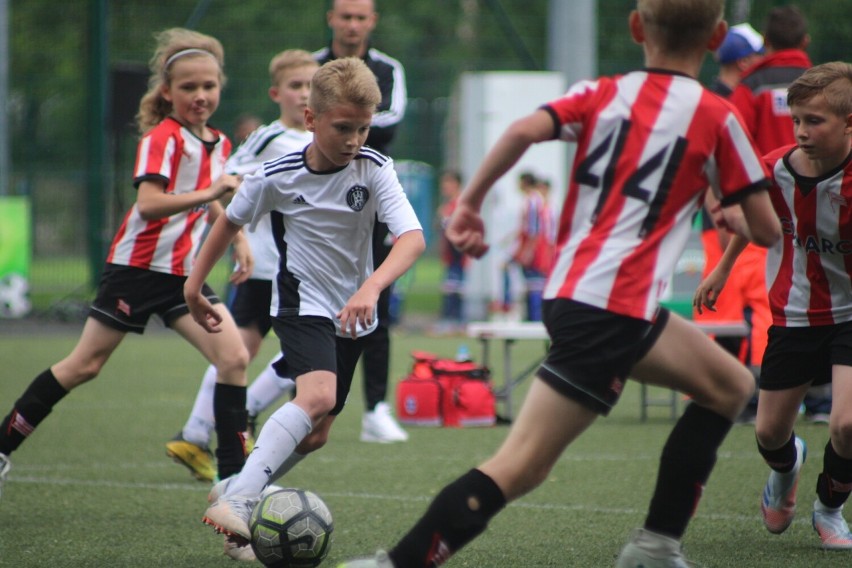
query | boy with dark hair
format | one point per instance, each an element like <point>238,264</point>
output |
<point>761,96</point>
<point>649,143</point>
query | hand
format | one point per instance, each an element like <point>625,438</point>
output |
<point>708,291</point>
<point>244,261</point>
<point>202,310</point>
<point>225,185</point>
<point>466,231</point>
<point>359,309</point>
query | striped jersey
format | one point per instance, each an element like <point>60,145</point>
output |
<point>809,271</point>
<point>534,246</point>
<point>174,156</point>
<point>649,143</point>
<point>265,143</point>
<point>322,223</point>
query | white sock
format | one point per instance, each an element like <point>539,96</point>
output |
<point>266,389</point>
<point>201,422</point>
<point>277,441</point>
<point>291,462</point>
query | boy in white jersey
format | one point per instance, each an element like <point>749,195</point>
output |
<point>648,144</point>
<point>290,73</point>
<point>323,203</point>
<point>809,278</point>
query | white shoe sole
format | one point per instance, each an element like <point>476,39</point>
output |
<point>372,438</point>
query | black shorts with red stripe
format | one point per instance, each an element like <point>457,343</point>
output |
<point>592,351</point>
<point>797,356</point>
<point>128,296</point>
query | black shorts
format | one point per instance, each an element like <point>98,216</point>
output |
<point>593,350</point>
<point>797,356</point>
<point>311,344</point>
<point>249,305</point>
<point>128,296</point>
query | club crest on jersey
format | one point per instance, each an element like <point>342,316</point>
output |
<point>357,197</point>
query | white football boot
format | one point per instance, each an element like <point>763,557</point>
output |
<point>379,426</point>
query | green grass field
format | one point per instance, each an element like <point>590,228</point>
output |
<point>93,487</point>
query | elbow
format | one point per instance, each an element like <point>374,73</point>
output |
<point>147,213</point>
<point>768,235</point>
<point>419,244</point>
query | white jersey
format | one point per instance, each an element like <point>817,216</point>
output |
<point>322,223</point>
<point>265,143</point>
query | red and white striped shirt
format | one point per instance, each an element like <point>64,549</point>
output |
<point>171,154</point>
<point>649,143</point>
<point>809,271</point>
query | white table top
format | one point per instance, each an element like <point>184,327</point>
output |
<point>536,330</point>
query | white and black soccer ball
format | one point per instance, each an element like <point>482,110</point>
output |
<point>291,528</point>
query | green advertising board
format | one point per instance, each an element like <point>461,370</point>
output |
<point>15,253</point>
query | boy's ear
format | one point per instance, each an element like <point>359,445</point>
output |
<point>273,94</point>
<point>718,36</point>
<point>309,119</point>
<point>637,30</point>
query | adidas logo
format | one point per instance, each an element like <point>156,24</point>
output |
<point>300,200</point>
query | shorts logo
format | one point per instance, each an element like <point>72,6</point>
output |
<point>123,307</point>
<point>357,197</point>
<point>616,386</point>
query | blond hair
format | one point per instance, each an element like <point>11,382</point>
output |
<point>344,81</point>
<point>173,44</point>
<point>832,80</point>
<point>680,25</point>
<point>289,59</point>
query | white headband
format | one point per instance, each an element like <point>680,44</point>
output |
<point>191,51</point>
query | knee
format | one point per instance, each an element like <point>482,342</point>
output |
<point>517,479</point>
<point>316,403</point>
<point>234,362</point>
<point>729,394</point>
<point>769,436</point>
<point>527,481</point>
<point>312,442</point>
<point>71,375</point>
<point>840,431</point>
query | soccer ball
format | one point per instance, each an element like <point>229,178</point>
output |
<point>291,528</point>
<point>13,296</point>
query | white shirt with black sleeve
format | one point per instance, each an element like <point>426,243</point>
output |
<point>322,223</point>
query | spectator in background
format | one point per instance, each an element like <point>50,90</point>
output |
<point>352,22</point>
<point>742,48</point>
<point>452,287</point>
<point>746,298</point>
<point>761,98</point>
<point>534,247</point>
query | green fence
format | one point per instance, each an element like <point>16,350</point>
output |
<point>436,41</point>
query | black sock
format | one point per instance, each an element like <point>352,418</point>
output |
<point>229,411</point>
<point>685,465</point>
<point>29,410</point>
<point>783,459</point>
<point>457,515</point>
<point>835,482</point>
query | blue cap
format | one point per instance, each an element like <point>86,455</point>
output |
<point>742,40</point>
